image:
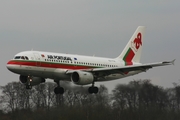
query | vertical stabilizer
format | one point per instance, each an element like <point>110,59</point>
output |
<point>132,51</point>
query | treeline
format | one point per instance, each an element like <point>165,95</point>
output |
<point>137,100</point>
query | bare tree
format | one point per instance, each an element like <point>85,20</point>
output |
<point>43,95</point>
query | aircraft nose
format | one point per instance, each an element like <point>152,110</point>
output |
<point>8,65</point>
<point>12,66</point>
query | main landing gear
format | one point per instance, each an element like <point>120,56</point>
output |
<point>93,89</point>
<point>58,89</point>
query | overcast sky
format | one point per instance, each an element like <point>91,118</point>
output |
<point>92,27</point>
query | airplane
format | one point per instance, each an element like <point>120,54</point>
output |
<point>36,66</point>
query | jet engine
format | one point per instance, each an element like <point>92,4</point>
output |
<point>33,80</point>
<point>82,78</point>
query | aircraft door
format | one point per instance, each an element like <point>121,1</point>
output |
<point>38,59</point>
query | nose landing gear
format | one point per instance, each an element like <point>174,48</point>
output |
<point>28,84</point>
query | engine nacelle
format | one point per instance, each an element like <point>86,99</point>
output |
<point>33,80</point>
<point>82,78</point>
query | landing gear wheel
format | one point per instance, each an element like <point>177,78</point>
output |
<point>96,90</point>
<point>93,90</point>
<point>59,90</point>
<point>90,90</point>
<point>28,87</point>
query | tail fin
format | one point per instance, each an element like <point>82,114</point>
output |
<point>132,51</point>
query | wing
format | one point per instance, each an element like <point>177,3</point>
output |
<point>124,69</point>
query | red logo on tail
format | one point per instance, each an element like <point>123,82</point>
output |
<point>137,42</point>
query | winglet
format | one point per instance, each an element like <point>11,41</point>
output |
<point>173,61</point>
<point>169,62</point>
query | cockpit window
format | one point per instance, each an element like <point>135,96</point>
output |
<point>21,57</point>
<point>17,57</point>
<point>26,58</point>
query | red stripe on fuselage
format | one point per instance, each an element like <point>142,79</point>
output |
<point>27,63</point>
<point>48,64</point>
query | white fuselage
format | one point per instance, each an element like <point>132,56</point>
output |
<point>54,65</point>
